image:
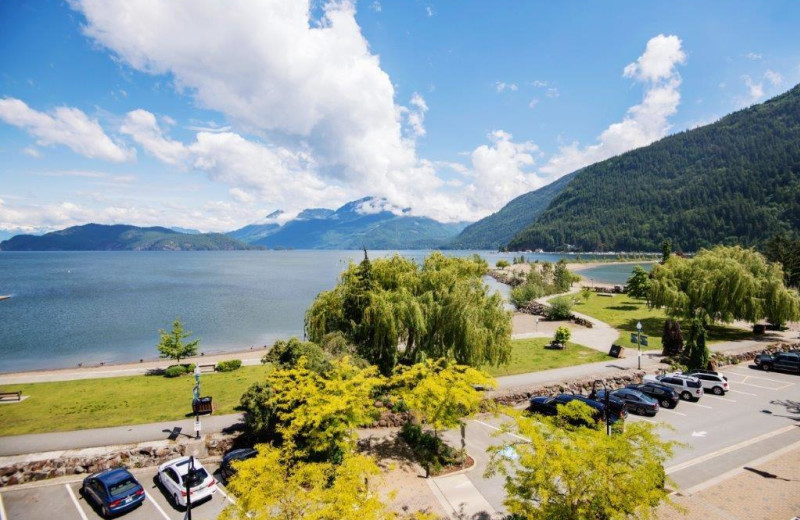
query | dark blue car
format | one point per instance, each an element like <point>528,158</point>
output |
<point>114,491</point>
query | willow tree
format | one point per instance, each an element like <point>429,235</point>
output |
<point>724,284</point>
<point>403,310</point>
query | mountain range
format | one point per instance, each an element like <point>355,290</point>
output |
<point>369,222</point>
<point>120,237</point>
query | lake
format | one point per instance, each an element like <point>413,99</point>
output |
<point>91,307</point>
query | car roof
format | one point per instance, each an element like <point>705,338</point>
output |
<point>181,465</point>
<point>240,453</point>
<point>113,475</point>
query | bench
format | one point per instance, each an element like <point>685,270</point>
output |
<point>607,295</point>
<point>210,367</point>
<point>15,395</point>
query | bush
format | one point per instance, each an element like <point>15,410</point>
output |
<point>175,371</point>
<point>286,354</point>
<point>560,308</point>
<point>229,365</point>
<point>523,294</point>
<point>501,264</point>
<point>190,368</point>
<point>562,335</point>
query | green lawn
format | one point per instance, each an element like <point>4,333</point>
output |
<point>97,403</point>
<point>623,312</point>
<point>529,355</point>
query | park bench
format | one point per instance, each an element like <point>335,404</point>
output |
<point>14,395</point>
<point>210,367</point>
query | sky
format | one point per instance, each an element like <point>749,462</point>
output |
<point>210,115</point>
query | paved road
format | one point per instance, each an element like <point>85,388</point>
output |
<point>759,416</point>
<point>62,500</point>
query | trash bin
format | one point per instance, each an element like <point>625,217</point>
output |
<point>617,351</point>
<point>202,405</point>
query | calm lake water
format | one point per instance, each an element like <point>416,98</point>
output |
<point>91,307</point>
<point>617,274</point>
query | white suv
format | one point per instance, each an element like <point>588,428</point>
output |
<point>716,382</point>
<point>689,388</point>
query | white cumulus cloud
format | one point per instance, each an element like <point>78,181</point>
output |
<point>64,126</point>
<point>644,123</point>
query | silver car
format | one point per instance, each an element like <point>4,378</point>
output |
<point>689,388</point>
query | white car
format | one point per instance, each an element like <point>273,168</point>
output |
<point>173,474</point>
<point>689,388</point>
<point>715,382</point>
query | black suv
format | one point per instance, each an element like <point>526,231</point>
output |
<point>786,361</point>
<point>226,468</point>
<point>666,396</point>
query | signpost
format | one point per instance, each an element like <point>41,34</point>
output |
<point>639,340</point>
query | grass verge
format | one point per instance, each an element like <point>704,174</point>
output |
<point>623,313</point>
<point>99,403</point>
<point>529,355</point>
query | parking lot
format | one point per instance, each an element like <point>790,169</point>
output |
<point>759,416</point>
<point>63,501</point>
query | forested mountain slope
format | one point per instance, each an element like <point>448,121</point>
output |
<point>736,181</point>
<point>496,230</point>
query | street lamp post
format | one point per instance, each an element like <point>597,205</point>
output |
<point>639,341</point>
<point>189,477</point>
<point>196,401</point>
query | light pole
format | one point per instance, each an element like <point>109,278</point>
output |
<point>196,401</point>
<point>639,341</point>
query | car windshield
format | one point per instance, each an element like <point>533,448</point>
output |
<point>122,487</point>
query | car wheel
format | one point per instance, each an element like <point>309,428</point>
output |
<point>718,390</point>
<point>641,411</point>
<point>175,501</point>
<point>766,367</point>
<point>665,403</point>
<point>686,396</point>
<point>106,512</point>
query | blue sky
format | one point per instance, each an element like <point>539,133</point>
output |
<point>208,115</point>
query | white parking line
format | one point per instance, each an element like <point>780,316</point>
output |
<point>2,509</point>
<point>708,456</point>
<point>228,498</point>
<point>75,501</point>
<point>673,411</point>
<point>648,420</point>
<point>743,393</point>
<point>750,376</point>
<point>720,398</point>
<point>764,387</point>
<point>150,498</point>
<point>498,429</point>
<point>698,404</point>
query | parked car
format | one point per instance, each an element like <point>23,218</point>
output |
<point>226,469</point>
<point>689,388</point>
<point>114,491</point>
<point>666,396</point>
<point>784,361</point>
<point>635,401</point>
<point>714,381</point>
<point>549,405</point>
<point>173,476</point>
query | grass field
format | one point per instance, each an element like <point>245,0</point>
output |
<point>529,355</point>
<point>623,312</point>
<point>99,403</point>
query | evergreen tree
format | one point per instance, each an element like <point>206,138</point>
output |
<point>666,250</point>
<point>672,339</point>
<point>697,353</point>
<point>171,344</point>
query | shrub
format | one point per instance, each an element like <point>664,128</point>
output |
<point>286,354</point>
<point>190,368</point>
<point>523,294</point>
<point>501,264</point>
<point>560,308</point>
<point>562,335</point>
<point>229,365</point>
<point>175,371</point>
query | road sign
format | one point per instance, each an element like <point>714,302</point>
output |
<point>644,341</point>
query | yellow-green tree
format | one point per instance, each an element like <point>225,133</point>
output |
<point>269,487</point>
<point>441,392</point>
<point>313,415</point>
<point>580,472</point>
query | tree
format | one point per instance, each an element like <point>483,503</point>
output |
<point>672,338</point>
<point>562,278</point>
<point>171,344</point>
<point>559,308</point>
<point>586,293</point>
<point>270,487</point>
<point>785,251</point>
<point>393,309</point>
<point>724,284</point>
<point>666,250</point>
<point>697,353</point>
<point>580,472</point>
<point>562,335</point>
<point>638,285</point>
<point>286,354</point>
<point>312,415</point>
<point>441,393</point>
